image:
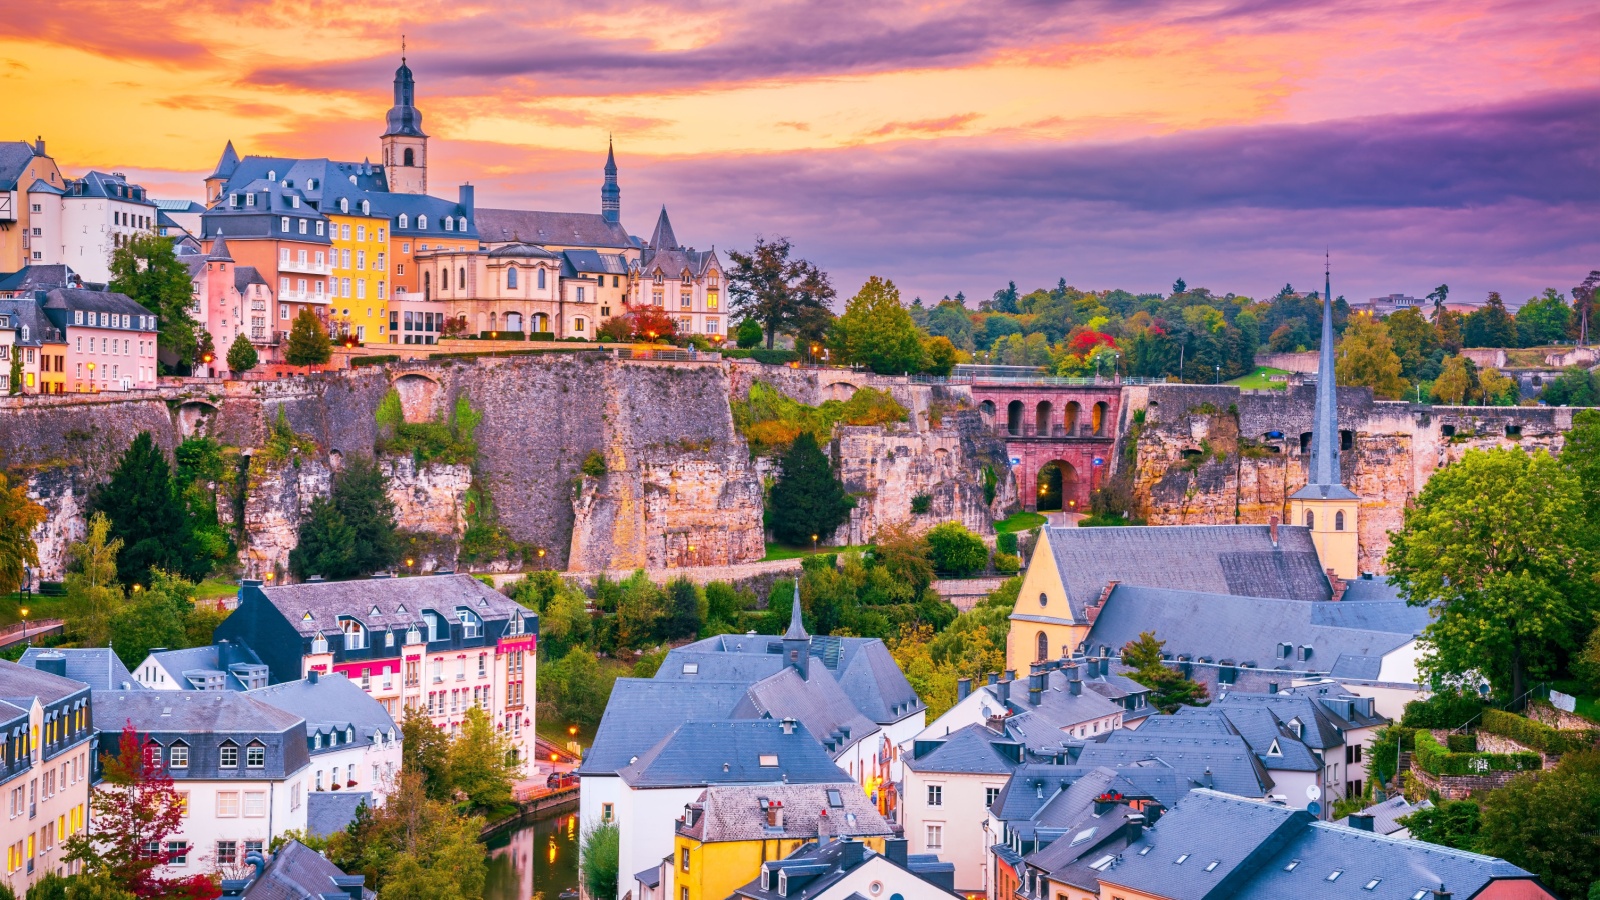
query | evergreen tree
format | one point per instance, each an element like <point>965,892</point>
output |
<point>808,500</point>
<point>684,616</point>
<point>147,516</point>
<point>308,342</point>
<point>1168,688</point>
<point>147,269</point>
<point>242,356</point>
<point>14,384</point>
<point>877,332</point>
<point>1490,325</point>
<point>18,517</point>
<point>1366,357</point>
<point>352,533</point>
<point>748,334</point>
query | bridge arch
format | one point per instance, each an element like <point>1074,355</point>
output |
<point>1057,487</point>
<point>1101,413</point>
<point>1069,419</point>
<point>419,395</point>
<point>844,390</point>
<point>1014,417</point>
<point>1041,418</point>
<point>194,418</point>
<point>987,408</point>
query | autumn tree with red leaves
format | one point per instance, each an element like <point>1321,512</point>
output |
<point>135,808</point>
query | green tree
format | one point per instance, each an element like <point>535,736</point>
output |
<point>94,597</point>
<point>148,270</point>
<point>14,382</point>
<point>1168,688</point>
<point>1448,324</point>
<point>724,605</point>
<point>352,533</point>
<point>480,763</point>
<point>578,688</point>
<point>1544,319</point>
<point>938,356</point>
<point>1452,823</point>
<point>877,332</point>
<point>955,550</point>
<point>1416,342</point>
<point>1366,357</point>
<point>564,623</point>
<point>200,467</point>
<point>414,847</point>
<point>1490,325</point>
<point>1545,823</point>
<point>641,608</point>
<point>906,556</point>
<point>242,356</point>
<point>1454,386</point>
<point>1581,456</point>
<point>1500,546</point>
<point>146,515</point>
<point>1438,295</point>
<point>953,321</point>
<point>425,754</point>
<point>154,616</point>
<point>808,502</point>
<point>777,292</point>
<point>602,846</point>
<point>749,334</point>
<point>18,517</point>
<point>1576,386</point>
<point>684,614</point>
<point>308,342</point>
<point>1498,389</point>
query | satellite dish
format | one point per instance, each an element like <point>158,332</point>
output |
<point>1313,792</point>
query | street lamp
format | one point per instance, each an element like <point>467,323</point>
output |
<point>27,584</point>
<point>1219,374</point>
<point>813,543</point>
<point>24,624</point>
<point>91,376</point>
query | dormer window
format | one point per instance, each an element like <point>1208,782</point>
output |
<point>255,755</point>
<point>366,207</point>
<point>471,625</point>
<point>233,200</point>
<point>422,223</point>
<point>272,175</point>
<point>178,755</point>
<point>294,203</point>
<point>659,278</point>
<point>228,757</point>
<point>436,625</point>
<point>355,634</point>
<point>449,224</point>
<point>350,734</point>
<point>404,222</point>
<point>344,204</point>
<point>1297,727</point>
<point>316,741</point>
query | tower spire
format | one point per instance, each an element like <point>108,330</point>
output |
<point>797,629</point>
<point>1324,480</point>
<point>610,191</point>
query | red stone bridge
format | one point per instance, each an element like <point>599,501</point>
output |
<point>1059,434</point>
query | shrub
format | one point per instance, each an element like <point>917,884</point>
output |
<point>542,336</point>
<point>921,503</point>
<point>1436,760</point>
<point>1006,542</point>
<point>602,846</point>
<point>1007,563</point>
<point>1446,709</point>
<point>774,357</point>
<point>594,465</point>
<point>1537,735</point>
<point>1462,743</point>
<point>955,550</point>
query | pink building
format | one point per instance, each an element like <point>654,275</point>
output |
<point>230,300</point>
<point>111,340</point>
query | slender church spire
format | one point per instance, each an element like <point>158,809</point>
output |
<point>1324,479</point>
<point>610,192</point>
<point>797,629</point>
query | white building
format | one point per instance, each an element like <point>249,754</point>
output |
<point>99,213</point>
<point>685,283</point>
<point>242,767</point>
<point>354,743</point>
<point>950,783</point>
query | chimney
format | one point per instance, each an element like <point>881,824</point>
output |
<point>351,885</point>
<point>993,678</point>
<point>1337,584</point>
<point>38,147</point>
<point>1003,689</point>
<point>1272,529</point>
<point>467,199</point>
<point>963,688</point>
<point>1034,696</point>
<point>1134,829</point>
<point>53,662</point>
<point>1361,821</point>
<point>851,854</point>
<point>1103,804</point>
<point>1440,893</point>
<point>1206,779</point>
<point>824,828</point>
<point>1074,681</point>
<point>312,676</point>
<point>1011,674</point>
<point>775,813</point>
<point>894,849</point>
<point>1093,612</point>
<point>787,725</point>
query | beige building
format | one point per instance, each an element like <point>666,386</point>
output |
<point>30,205</point>
<point>46,732</point>
<point>686,283</point>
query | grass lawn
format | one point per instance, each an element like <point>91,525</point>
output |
<point>1021,521</point>
<point>39,607</point>
<point>212,588</point>
<point>782,551</point>
<point>1258,380</point>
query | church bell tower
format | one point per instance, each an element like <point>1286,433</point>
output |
<point>1325,505</point>
<point>405,146</point>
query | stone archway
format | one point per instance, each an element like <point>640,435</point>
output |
<point>194,418</point>
<point>419,396</point>
<point>839,390</point>
<point>1056,487</point>
<point>1014,424</point>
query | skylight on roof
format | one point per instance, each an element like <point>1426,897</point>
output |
<point>1293,864</point>
<point>1083,835</point>
<point>835,799</point>
<point>1179,860</point>
<point>691,668</point>
<point>1334,875</point>
<point>1103,863</point>
<point>1146,851</point>
<point>769,760</point>
<point>1372,885</point>
<point>1420,894</point>
<point>1212,866</point>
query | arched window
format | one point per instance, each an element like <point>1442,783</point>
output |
<point>355,636</point>
<point>1043,649</point>
<point>1338,520</point>
<point>410,157</point>
<point>511,278</point>
<point>344,204</point>
<point>366,207</point>
<point>461,279</point>
<point>405,221</point>
<point>659,277</point>
<point>422,223</point>
<point>444,279</point>
<point>541,279</point>
<point>449,224</point>
<point>1311,519</point>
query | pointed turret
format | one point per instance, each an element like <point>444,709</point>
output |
<point>228,162</point>
<point>404,117</point>
<point>219,249</point>
<point>663,238</point>
<point>796,642</point>
<point>1325,505</point>
<point>610,192</point>
<point>405,145</point>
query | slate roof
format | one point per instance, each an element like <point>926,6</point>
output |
<point>643,711</point>
<point>40,186</point>
<point>205,720</point>
<point>686,664</point>
<point>520,249</point>
<point>973,750</point>
<point>110,186</point>
<point>14,158</point>
<point>296,872</point>
<point>207,659</point>
<point>1390,616</point>
<point>1322,728</point>
<point>1386,815</point>
<point>244,276</point>
<point>226,163</point>
<point>20,685</point>
<point>1218,559</point>
<point>1375,589</point>
<point>326,601</point>
<point>98,667</point>
<point>328,812</point>
<point>730,752</point>
<point>663,238</point>
<point>735,812</point>
<point>331,703</point>
<point>1231,762</point>
<point>1324,480</point>
<point>1266,734</point>
<point>1253,844</point>
<point>26,311</point>
<point>817,702</point>
<point>563,229</point>
<point>1243,630</point>
<point>40,278</point>
<point>863,666</point>
<point>813,870</point>
<point>70,299</point>
<point>593,261</point>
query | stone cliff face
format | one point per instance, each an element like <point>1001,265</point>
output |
<point>1218,455</point>
<point>430,499</point>
<point>277,497</point>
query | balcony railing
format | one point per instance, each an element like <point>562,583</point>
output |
<point>1082,432</point>
<point>307,267</point>
<point>302,297</point>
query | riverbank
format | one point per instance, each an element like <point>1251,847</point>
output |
<point>547,803</point>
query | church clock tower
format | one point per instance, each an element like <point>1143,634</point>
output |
<point>1325,505</point>
<point>405,146</point>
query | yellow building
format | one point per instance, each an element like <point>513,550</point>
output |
<point>725,836</point>
<point>1042,624</point>
<point>358,270</point>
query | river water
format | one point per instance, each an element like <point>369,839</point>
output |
<point>539,860</point>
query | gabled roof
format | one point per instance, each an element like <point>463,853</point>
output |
<point>561,229</point>
<point>1230,761</point>
<point>643,711</point>
<point>14,158</point>
<point>817,702</point>
<point>1246,631</point>
<point>328,812</point>
<point>331,703</point>
<point>296,872</point>
<point>40,278</point>
<point>1386,815</point>
<point>208,659</point>
<point>1216,559</point>
<point>814,870</point>
<point>98,667</point>
<point>973,750</point>
<point>1271,739</point>
<point>1322,727</point>
<point>207,712</point>
<point>29,312</point>
<point>582,262</point>
<point>863,666</point>
<point>20,685</point>
<point>245,276</point>
<point>746,751</point>
<point>110,186</point>
<point>399,601</point>
<point>735,812</point>
<point>96,301</point>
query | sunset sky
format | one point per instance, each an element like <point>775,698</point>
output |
<point>950,145</point>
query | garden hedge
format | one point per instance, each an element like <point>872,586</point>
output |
<point>1537,735</point>
<point>1436,760</point>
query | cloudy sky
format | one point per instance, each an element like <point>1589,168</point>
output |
<point>951,145</point>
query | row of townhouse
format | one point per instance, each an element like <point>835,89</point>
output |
<point>47,218</point>
<point>59,338</point>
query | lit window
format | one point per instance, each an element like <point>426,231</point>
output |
<point>769,760</point>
